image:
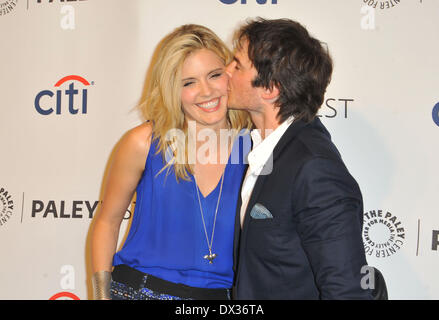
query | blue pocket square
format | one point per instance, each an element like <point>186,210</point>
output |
<point>260,212</point>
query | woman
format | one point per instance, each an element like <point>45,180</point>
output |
<point>180,241</point>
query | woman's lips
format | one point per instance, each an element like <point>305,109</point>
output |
<point>210,106</point>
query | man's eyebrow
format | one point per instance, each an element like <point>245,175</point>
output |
<point>237,60</point>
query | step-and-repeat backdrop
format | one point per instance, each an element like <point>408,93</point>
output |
<point>72,72</point>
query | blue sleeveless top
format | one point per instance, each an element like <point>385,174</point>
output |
<point>167,238</point>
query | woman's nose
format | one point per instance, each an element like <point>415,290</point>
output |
<point>206,89</point>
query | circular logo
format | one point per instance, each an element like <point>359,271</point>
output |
<point>64,296</point>
<point>6,206</point>
<point>7,6</point>
<point>383,234</point>
<point>388,4</point>
<point>435,114</point>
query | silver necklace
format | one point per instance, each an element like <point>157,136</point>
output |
<point>211,255</point>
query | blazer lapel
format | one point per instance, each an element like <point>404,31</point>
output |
<point>237,233</point>
<point>289,135</point>
<point>284,141</point>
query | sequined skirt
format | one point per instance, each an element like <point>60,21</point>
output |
<point>130,284</point>
<point>121,291</point>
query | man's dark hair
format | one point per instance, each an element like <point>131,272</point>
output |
<point>285,55</point>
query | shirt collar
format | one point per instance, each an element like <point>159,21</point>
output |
<point>263,149</point>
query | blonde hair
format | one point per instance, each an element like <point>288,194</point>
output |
<point>161,98</point>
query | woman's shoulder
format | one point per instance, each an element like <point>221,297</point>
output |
<point>137,140</point>
<point>140,133</point>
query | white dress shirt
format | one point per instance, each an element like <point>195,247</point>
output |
<point>260,160</point>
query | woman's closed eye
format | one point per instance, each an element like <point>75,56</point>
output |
<point>188,83</point>
<point>216,75</point>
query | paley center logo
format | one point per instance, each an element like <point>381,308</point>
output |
<point>7,6</point>
<point>6,206</point>
<point>382,4</point>
<point>383,233</point>
<point>46,105</point>
<point>245,1</point>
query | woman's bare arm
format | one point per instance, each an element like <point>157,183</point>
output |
<point>124,174</point>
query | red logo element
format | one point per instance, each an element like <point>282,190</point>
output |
<point>64,294</point>
<point>72,77</point>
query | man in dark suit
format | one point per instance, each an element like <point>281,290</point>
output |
<point>298,232</point>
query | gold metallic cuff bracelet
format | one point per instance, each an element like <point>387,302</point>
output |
<point>101,285</point>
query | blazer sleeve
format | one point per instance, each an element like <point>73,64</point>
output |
<point>328,212</point>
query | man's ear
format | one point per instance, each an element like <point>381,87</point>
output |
<point>270,94</point>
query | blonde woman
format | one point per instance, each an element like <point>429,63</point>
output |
<point>186,165</point>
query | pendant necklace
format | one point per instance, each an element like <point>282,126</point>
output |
<point>211,255</point>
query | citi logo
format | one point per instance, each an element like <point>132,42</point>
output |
<point>45,104</point>
<point>245,1</point>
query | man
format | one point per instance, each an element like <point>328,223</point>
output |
<point>298,231</point>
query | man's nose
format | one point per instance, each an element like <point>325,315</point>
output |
<point>229,68</point>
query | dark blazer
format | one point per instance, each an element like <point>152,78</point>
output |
<point>312,247</point>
